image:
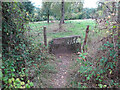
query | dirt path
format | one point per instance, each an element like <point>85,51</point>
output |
<point>66,58</point>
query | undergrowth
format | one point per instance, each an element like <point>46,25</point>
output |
<point>100,70</point>
<point>22,58</point>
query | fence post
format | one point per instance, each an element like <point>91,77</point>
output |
<point>45,38</point>
<point>87,30</point>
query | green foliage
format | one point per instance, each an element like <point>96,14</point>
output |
<point>46,8</point>
<point>19,52</point>
<point>102,86</point>
<point>85,13</point>
<point>82,55</point>
<point>72,27</point>
<point>28,6</point>
<point>73,10</point>
<point>17,83</point>
<point>105,66</point>
<point>12,79</point>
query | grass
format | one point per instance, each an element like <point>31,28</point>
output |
<point>69,28</point>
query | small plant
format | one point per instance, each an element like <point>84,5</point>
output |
<point>105,67</point>
<point>82,55</point>
<point>102,86</point>
<point>17,83</point>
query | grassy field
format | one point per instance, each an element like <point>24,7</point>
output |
<point>71,27</point>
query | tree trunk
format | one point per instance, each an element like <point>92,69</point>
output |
<point>62,13</point>
<point>48,17</point>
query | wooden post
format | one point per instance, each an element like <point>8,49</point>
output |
<point>87,30</point>
<point>45,38</point>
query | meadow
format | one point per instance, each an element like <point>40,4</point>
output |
<point>70,28</point>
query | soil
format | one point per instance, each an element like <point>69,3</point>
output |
<point>66,57</point>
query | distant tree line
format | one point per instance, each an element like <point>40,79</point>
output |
<point>52,11</point>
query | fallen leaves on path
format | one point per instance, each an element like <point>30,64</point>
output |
<point>60,79</point>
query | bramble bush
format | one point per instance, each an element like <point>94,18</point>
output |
<point>104,71</point>
<point>18,52</point>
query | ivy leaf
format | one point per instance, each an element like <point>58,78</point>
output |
<point>86,64</point>
<point>104,86</point>
<point>107,22</point>
<point>27,86</point>
<point>31,84</point>
<point>100,80</point>
<point>88,78</point>
<point>8,10</point>
<point>86,75</point>
<point>100,85</point>
<point>114,26</point>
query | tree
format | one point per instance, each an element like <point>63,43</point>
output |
<point>107,8</point>
<point>62,12</point>
<point>37,16</point>
<point>28,6</point>
<point>46,9</point>
<point>87,13</point>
